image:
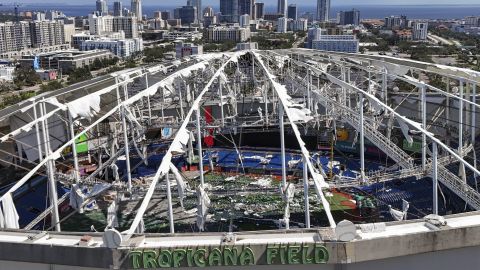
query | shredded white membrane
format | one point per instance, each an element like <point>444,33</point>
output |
<point>177,144</point>
<point>319,181</point>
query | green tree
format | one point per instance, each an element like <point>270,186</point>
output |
<point>25,77</point>
<point>130,63</point>
<point>50,86</point>
<point>6,87</point>
<point>79,75</point>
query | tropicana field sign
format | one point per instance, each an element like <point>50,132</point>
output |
<point>229,256</point>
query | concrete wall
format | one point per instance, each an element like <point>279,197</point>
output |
<point>462,258</point>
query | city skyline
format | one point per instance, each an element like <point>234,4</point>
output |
<point>274,2</point>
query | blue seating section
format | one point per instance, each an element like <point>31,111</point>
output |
<point>31,199</point>
<point>417,192</point>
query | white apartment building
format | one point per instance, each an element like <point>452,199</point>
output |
<point>102,24</point>
<point>282,25</point>
<point>472,21</point>
<point>182,35</point>
<point>120,47</point>
<point>78,38</point>
<point>47,33</point>
<point>420,30</point>
<point>245,20</point>
<point>156,24</point>
<point>223,33</point>
<point>336,43</point>
<point>14,36</point>
<point>317,40</point>
<point>68,31</point>
<point>298,25</point>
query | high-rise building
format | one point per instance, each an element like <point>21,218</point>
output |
<point>117,8</point>
<point>282,25</point>
<point>136,9</point>
<point>156,24</point>
<point>198,5</point>
<point>187,14</point>
<point>14,36</point>
<point>165,15</point>
<point>349,17</point>
<point>229,10</point>
<point>323,10</point>
<point>420,30</point>
<point>53,15</point>
<point>396,22</point>
<point>108,24</point>
<point>472,21</point>
<point>282,7</point>
<point>209,20</point>
<point>245,20</point>
<point>298,25</point>
<point>69,32</point>
<point>39,16</point>
<point>208,12</point>
<point>102,7</point>
<point>245,7</point>
<point>313,34</point>
<point>47,33</point>
<point>292,12</point>
<point>259,10</point>
<point>272,16</point>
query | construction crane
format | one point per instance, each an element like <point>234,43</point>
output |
<point>15,8</point>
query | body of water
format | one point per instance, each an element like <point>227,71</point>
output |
<point>366,11</point>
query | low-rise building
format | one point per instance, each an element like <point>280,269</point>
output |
<point>405,34</point>
<point>47,75</point>
<point>64,61</point>
<point>122,48</point>
<point>336,43</point>
<point>316,39</point>
<point>247,46</point>
<point>182,35</point>
<point>79,38</point>
<point>6,73</point>
<point>186,49</point>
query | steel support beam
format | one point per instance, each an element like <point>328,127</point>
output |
<point>284,168</point>
<point>199,148</point>
<point>170,209</point>
<point>305,193</point>
<point>52,184</point>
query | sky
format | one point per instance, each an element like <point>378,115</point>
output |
<point>274,2</point>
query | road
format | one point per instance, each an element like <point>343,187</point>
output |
<point>438,40</point>
<point>299,41</point>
